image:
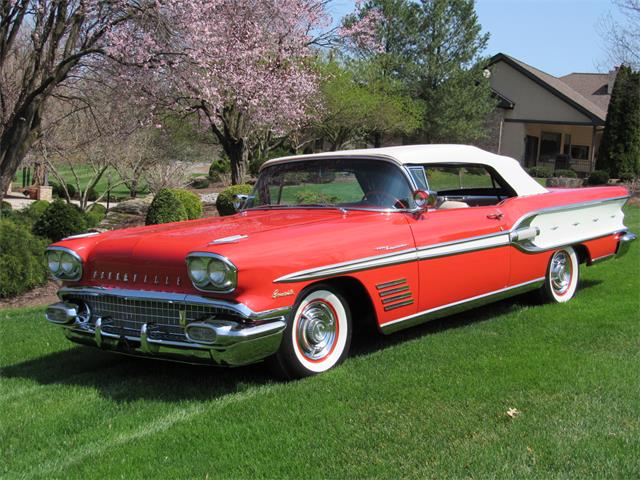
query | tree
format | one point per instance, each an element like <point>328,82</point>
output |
<point>240,66</point>
<point>623,37</point>
<point>619,152</point>
<point>433,49</point>
<point>42,44</point>
<point>450,77</point>
<point>355,107</point>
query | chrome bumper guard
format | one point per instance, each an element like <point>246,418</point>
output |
<point>246,338</point>
<point>624,243</point>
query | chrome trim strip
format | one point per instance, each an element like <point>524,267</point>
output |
<point>461,305</point>
<point>395,298</point>
<point>238,308</point>
<point>398,305</point>
<point>602,258</point>
<point>382,286</point>
<point>443,249</point>
<point>391,291</point>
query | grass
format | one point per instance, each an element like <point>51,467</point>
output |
<point>429,402</point>
<point>85,173</point>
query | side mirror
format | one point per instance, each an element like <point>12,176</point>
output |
<point>425,199</point>
<point>239,199</point>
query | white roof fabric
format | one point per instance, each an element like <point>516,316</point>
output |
<point>508,168</point>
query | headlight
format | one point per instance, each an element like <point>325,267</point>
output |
<point>64,264</point>
<point>212,272</point>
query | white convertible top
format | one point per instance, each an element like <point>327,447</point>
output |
<point>508,168</point>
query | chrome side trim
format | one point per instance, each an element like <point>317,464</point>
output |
<point>521,232</point>
<point>238,308</point>
<point>459,306</point>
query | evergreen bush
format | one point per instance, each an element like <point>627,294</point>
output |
<point>60,220</point>
<point>540,172</point>
<point>200,182</point>
<point>22,262</point>
<point>567,173</point>
<point>598,177</point>
<point>218,167</point>
<point>166,207</point>
<point>190,201</point>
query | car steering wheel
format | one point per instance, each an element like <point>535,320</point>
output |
<point>372,193</point>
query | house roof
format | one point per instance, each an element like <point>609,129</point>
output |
<point>507,167</point>
<point>592,86</point>
<point>557,86</point>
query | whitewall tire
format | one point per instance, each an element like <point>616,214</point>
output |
<point>563,274</point>
<point>318,334</point>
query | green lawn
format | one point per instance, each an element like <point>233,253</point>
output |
<point>85,173</point>
<point>426,403</point>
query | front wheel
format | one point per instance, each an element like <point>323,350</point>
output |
<point>562,277</point>
<point>318,334</point>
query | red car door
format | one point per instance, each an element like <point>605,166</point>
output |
<point>463,253</point>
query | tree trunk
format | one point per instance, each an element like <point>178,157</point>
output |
<point>16,140</point>
<point>377,139</point>
<point>238,154</point>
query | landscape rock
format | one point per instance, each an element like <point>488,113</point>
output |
<point>136,206</point>
<point>564,182</point>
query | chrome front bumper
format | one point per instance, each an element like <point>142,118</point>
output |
<point>237,335</point>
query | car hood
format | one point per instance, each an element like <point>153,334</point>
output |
<point>153,257</point>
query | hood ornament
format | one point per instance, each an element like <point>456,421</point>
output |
<point>231,239</point>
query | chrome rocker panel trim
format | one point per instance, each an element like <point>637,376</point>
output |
<point>235,344</point>
<point>460,306</point>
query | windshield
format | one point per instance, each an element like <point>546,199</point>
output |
<point>344,182</point>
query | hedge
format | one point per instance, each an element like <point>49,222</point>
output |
<point>224,203</point>
<point>598,177</point>
<point>567,173</point>
<point>540,172</point>
<point>22,262</point>
<point>191,203</point>
<point>60,220</point>
<point>166,207</point>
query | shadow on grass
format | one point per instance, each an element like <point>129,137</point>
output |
<point>123,378</point>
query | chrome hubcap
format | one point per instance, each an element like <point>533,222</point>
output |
<point>316,332</point>
<point>560,273</point>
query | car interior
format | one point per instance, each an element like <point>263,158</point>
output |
<point>462,185</point>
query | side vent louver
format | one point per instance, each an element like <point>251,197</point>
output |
<point>395,294</point>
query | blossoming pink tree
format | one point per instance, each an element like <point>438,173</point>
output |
<point>241,66</point>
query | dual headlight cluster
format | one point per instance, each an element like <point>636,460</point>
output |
<point>212,272</point>
<point>64,264</point>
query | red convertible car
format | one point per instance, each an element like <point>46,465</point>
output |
<point>396,235</point>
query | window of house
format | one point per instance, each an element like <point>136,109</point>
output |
<point>550,144</point>
<point>580,152</point>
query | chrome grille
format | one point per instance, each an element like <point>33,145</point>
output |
<point>125,316</point>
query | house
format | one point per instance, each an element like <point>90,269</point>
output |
<point>543,120</point>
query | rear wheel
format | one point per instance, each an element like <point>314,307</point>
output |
<point>562,277</point>
<point>318,334</point>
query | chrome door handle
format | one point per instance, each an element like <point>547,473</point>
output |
<point>495,216</point>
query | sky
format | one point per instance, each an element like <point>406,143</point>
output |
<point>556,36</point>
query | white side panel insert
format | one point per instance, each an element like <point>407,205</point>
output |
<point>569,225</point>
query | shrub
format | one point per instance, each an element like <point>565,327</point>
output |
<point>36,209</point>
<point>200,182</point>
<point>6,208</point>
<point>540,172</point>
<point>627,176</point>
<point>166,207</point>
<point>95,215</point>
<point>567,173</point>
<point>22,262</point>
<point>224,203</point>
<point>58,191</point>
<point>309,196</point>
<point>92,195</point>
<point>598,177</point>
<point>218,167</point>
<point>191,203</point>
<point>60,220</point>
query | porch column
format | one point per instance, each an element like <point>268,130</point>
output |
<point>592,159</point>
